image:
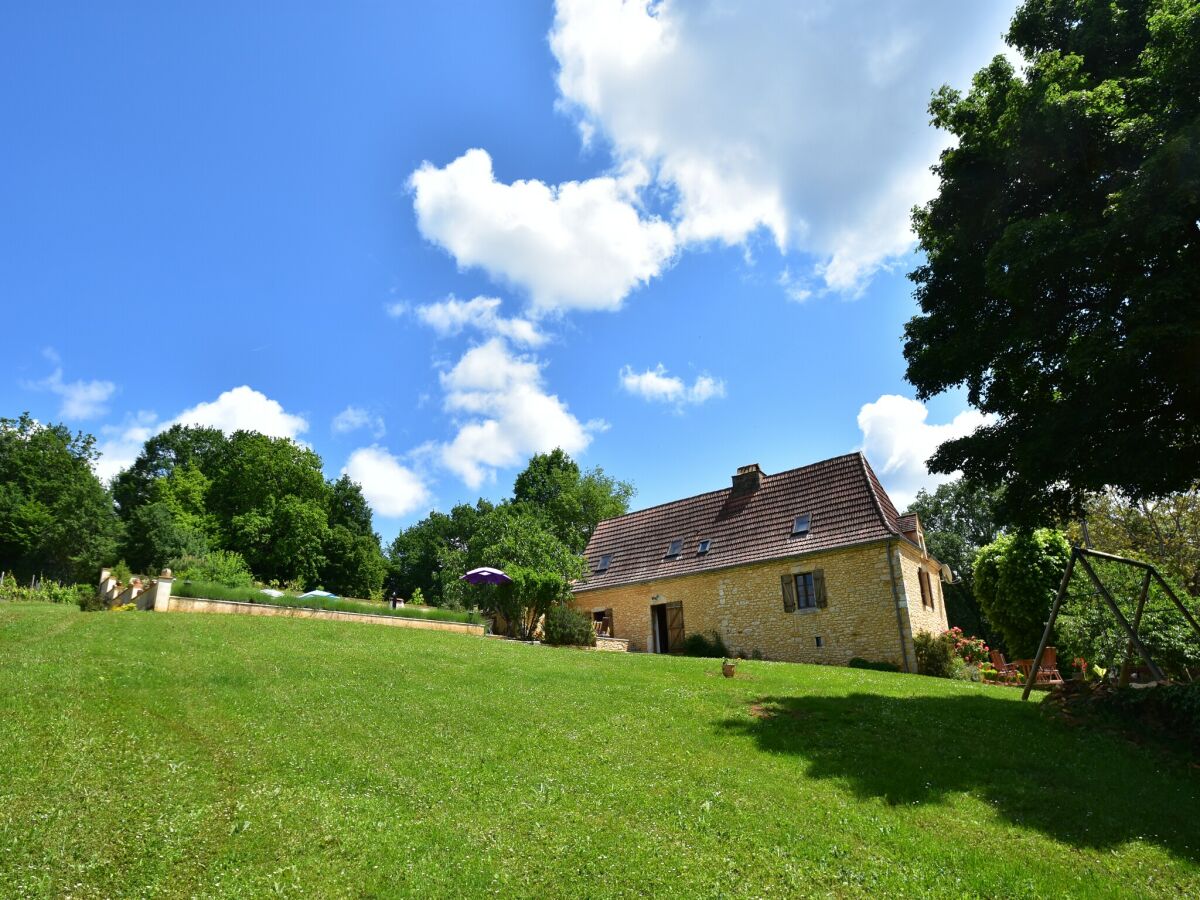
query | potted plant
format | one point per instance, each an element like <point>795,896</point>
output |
<point>728,667</point>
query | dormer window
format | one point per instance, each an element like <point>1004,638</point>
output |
<point>605,562</point>
<point>675,549</point>
<point>702,547</point>
<point>800,525</point>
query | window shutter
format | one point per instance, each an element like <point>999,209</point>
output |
<point>819,588</point>
<point>608,622</point>
<point>923,577</point>
<point>789,592</point>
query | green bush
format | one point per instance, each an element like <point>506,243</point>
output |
<point>89,599</point>
<point>703,645</point>
<point>859,663</point>
<point>1016,579</point>
<point>1173,709</point>
<point>935,653</point>
<point>566,626</point>
<point>961,670</point>
<point>217,566</point>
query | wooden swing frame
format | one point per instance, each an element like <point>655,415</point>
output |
<point>1150,573</point>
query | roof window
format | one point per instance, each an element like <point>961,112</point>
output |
<point>703,546</point>
<point>675,549</point>
<point>605,562</point>
<point>800,525</point>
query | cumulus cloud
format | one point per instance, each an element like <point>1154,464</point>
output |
<point>807,120</point>
<point>505,414</point>
<point>239,409</point>
<point>657,386</point>
<point>452,316</point>
<point>353,418</point>
<point>392,489</point>
<point>577,245</point>
<point>243,409</point>
<point>898,439</point>
<point>79,399</point>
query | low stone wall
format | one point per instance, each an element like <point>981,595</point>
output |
<point>192,604</point>
<point>613,644</point>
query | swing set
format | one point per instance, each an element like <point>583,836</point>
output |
<point>1080,555</point>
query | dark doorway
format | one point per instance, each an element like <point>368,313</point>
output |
<point>667,619</point>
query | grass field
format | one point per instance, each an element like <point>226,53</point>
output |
<point>191,755</point>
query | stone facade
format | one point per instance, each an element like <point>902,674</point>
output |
<point>744,605</point>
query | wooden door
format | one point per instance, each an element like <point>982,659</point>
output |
<point>674,628</point>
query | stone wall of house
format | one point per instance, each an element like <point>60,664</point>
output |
<point>745,606</point>
<point>922,617</point>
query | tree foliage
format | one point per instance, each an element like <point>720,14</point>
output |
<point>959,518</point>
<point>56,518</point>
<point>1016,579</point>
<point>552,499</point>
<point>1165,532</point>
<point>1062,275</point>
<point>193,490</point>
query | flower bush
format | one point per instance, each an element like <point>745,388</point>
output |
<point>971,650</point>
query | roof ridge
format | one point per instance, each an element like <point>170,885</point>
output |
<point>867,473</point>
<point>812,465</point>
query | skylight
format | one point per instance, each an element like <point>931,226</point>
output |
<point>703,546</point>
<point>801,524</point>
<point>675,549</point>
<point>605,562</point>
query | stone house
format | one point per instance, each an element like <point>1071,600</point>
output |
<point>810,565</point>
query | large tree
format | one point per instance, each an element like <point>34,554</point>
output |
<point>1061,282</point>
<point>570,501</point>
<point>56,518</point>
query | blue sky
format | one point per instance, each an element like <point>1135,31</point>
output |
<point>431,240</point>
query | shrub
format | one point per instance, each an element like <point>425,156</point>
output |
<point>971,650</point>
<point>122,572</point>
<point>1016,579</point>
<point>703,645</point>
<point>1172,709</point>
<point>934,654</point>
<point>566,626</point>
<point>964,671</point>
<point>217,566</point>
<point>859,663</point>
<point>89,599</point>
<point>417,598</point>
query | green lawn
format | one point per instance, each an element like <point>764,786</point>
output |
<point>155,754</point>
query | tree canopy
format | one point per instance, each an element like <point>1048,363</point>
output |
<point>56,518</point>
<point>1061,282</point>
<point>193,490</point>
<point>544,527</point>
<point>959,518</point>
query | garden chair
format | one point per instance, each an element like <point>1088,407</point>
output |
<point>1047,672</point>
<point>1005,671</point>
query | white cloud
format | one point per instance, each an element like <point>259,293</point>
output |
<point>898,440</point>
<point>353,418</point>
<point>505,414</point>
<point>390,487</point>
<point>657,386</point>
<point>452,316</point>
<point>243,409</point>
<point>80,399</point>
<point>119,445</point>
<point>577,245</point>
<point>239,409</point>
<point>807,120</point>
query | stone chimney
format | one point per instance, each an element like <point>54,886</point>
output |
<point>747,480</point>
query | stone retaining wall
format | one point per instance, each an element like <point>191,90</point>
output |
<point>192,604</point>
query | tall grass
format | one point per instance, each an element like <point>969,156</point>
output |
<point>208,590</point>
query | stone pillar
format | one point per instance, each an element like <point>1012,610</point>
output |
<point>161,592</point>
<point>108,585</point>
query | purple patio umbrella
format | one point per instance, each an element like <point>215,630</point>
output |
<point>484,575</point>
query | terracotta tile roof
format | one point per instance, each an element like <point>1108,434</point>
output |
<point>843,496</point>
<point>907,523</point>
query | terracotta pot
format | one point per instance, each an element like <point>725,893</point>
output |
<point>727,668</point>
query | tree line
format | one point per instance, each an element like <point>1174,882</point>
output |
<point>231,507</point>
